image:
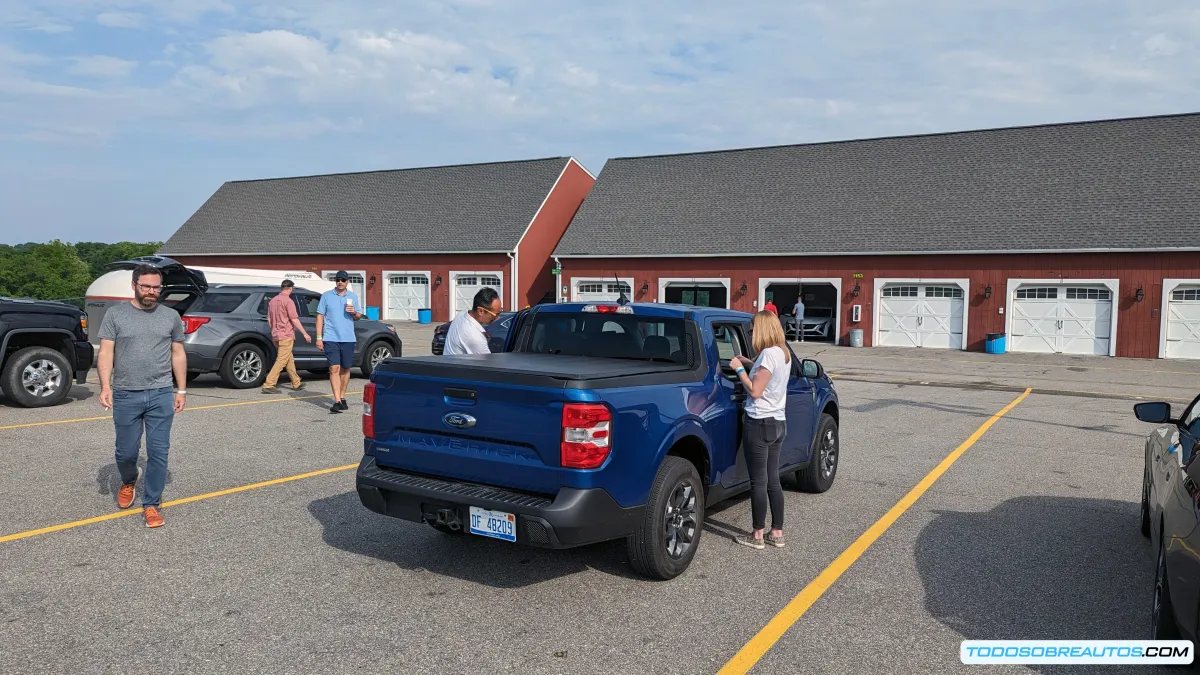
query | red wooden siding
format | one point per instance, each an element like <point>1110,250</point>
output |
<point>533,253</point>
<point>375,265</point>
<point>1137,324</point>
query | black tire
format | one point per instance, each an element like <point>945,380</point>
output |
<point>36,377</point>
<point>1145,504</point>
<point>1162,612</point>
<point>372,355</point>
<point>818,476</point>
<point>244,366</point>
<point>676,486</point>
<point>323,372</point>
<point>192,375</point>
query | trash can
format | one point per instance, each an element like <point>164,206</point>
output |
<point>994,343</point>
<point>373,313</point>
<point>856,337</point>
<point>424,315</point>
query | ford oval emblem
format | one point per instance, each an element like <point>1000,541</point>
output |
<point>459,420</point>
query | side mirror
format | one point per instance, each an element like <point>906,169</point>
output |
<point>1155,413</point>
<point>811,369</point>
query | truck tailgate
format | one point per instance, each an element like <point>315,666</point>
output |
<point>484,432</point>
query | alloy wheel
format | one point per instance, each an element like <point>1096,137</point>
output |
<point>680,521</point>
<point>247,366</point>
<point>378,355</point>
<point>42,378</point>
<point>828,453</point>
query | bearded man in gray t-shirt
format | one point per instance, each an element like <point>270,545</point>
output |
<point>141,347</point>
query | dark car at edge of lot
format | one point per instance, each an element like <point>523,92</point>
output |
<point>497,332</point>
<point>43,347</point>
<point>226,330</point>
<point>1170,518</point>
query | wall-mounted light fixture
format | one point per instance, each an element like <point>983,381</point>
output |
<point>1141,295</point>
<point>438,280</point>
<point>372,279</point>
<point>987,292</point>
<point>645,286</point>
<point>857,290</point>
<point>742,290</point>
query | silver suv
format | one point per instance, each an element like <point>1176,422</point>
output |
<point>226,329</point>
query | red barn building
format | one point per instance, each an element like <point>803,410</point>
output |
<point>1068,238</point>
<point>410,238</point>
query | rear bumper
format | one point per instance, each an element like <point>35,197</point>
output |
<point>85,358</point>
<point>203,358</point>
<point>572,518</point>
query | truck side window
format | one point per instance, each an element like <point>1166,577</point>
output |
<point>729,342</point>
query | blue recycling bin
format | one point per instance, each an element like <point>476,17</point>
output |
<point>994,343</point>
<point>424,315</point>
<point>373,313</point>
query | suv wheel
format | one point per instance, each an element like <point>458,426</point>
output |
<point>244,366</point>
<point>376,353</point>
<point>36,377</point>
<point>822,468</point>
<point>666,541</point>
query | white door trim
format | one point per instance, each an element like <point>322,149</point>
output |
<point>366,282</point>
<point>877,295</point>
<point>1168,286</point>
<point>1113,285</point>
<point>836,282</point>
<point>385,309</point>
<point>454,309</point>
<point>575,281</point>
<point>663,282</point>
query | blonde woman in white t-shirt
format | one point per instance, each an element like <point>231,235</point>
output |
<point>765,425</point>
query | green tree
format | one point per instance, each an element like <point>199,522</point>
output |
<point>98,255</point>
<point>45,272</point>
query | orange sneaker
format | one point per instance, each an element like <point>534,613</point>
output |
<point>125,496</point>
<point>153,518</point>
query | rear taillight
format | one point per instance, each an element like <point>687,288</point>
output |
<point>587,435</point>
<point>368,419</point>
<point>191,324</point>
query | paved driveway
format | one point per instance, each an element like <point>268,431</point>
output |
<point>268,562</point>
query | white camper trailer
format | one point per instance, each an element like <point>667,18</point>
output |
<point>117,286</point>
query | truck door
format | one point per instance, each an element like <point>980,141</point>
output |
<point>728,458</point>
<point>801,417</point>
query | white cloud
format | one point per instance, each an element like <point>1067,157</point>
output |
<point>120,19</point>
<point>102,67</point>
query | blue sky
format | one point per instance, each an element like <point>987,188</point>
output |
<point>127,114</point>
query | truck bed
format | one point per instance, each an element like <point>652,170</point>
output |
<point>542,370</point>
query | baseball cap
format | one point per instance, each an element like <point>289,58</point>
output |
<point>342,275</point>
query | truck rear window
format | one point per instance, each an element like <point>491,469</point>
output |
<point>615,336</point>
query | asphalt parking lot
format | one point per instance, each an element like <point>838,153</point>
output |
<point>1031,532</point>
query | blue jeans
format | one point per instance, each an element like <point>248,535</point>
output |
<point>153,410</point>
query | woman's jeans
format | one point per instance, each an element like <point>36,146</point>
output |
<point>153,410</point>
<point>761,440</point>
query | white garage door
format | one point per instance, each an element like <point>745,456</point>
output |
<point>919,315</point>
<point>467,285</point>
<point>1183,323</point>
<point>601,291</point>
<point>406,294</point>
<point>358,284</point>
<point>1062,320</point>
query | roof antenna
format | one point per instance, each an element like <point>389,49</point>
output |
<point>622,299</point>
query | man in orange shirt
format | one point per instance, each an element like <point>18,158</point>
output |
<point>284,322</point>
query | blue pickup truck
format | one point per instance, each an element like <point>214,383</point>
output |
<point>597,422</point>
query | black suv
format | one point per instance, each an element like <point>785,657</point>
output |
<point>226,329</point>
<point>43,347</point>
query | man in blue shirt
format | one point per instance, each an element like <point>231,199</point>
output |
<point>336,314</point>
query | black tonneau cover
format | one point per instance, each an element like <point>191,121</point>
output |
<point>541,370</point>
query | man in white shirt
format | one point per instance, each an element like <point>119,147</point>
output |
<point>467,333</point>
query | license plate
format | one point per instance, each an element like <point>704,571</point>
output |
<point>495,524</point>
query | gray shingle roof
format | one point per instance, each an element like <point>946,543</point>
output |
<point>1114,184</point>
<point>465,208</point>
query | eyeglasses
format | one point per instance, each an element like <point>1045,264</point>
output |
<point>144,287</point>
<point>494,314</point>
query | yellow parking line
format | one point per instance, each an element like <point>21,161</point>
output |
<point>754,650</point>
<point>285,399</point>
<point>176,502</point>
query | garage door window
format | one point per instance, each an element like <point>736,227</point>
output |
<point>900,292</point>
<point>591,288</point>
<point>1087,294</point>
<point>943,292</point>
<point>1186,295</point>
<point>1037,293</point>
